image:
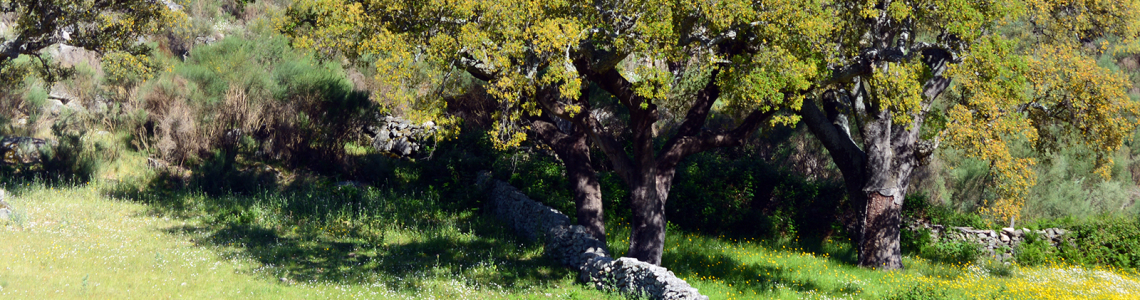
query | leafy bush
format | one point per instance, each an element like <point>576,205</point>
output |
<point>913,241</point>
<point>735,191</point>
<point>919,206</point>
<point>951,252</point>
<point>1035,250</point>
<point>254,96</point>
<point>920,292</point>
<point>1108,241</point>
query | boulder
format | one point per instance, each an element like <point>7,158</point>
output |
<point>21,150</point>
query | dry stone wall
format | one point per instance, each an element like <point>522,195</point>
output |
<point>999,244</point>
<point>574,247</point>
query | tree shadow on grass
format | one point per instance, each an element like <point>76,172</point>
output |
<point>759,277</point>
<point>753,277</point>
<point>403,266</point>
<point>348,235</point>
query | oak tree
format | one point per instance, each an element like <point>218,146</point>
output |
<point>1015,70</point>
<point>875,66</point>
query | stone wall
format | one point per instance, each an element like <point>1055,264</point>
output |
<point>572,246</point>
<point>996,243</point>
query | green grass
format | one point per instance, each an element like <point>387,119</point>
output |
<point>130,239</point>
<point>724,268</point>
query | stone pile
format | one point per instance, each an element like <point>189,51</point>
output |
<point>400,137</point>
<point>998,244</point>
<point>574,247</point>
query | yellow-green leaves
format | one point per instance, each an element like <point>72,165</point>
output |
<point>1087,100</point>
<point>761,80</point>
<point>898,88</point>
<point>126,69</point>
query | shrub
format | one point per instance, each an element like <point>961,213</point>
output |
<point>256,97</point>
<point>736,191</point>
<point>951,252</point>
<point>920,292</point>
<point>1108,241</point>
<point>1035,250</point>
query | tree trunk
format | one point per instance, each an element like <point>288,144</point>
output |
<point>876,179</point>
<point>647,241</point>
<point>880,247</point>
<point>584,183</point>
<point>647,172</point>
<point>573,150</point>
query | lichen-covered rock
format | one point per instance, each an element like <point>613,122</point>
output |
<point>16,150</point>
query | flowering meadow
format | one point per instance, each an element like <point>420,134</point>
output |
<point>753,269</point>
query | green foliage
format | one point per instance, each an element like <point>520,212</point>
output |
<point>920,292</point>
<point>919,206</point>
<point>112,28</point>
<point>1036,250</point>
<point>721,192</point>
<point>1106,241</point>
<point>951,252</point>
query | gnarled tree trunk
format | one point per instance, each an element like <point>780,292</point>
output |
<point>877,175</point>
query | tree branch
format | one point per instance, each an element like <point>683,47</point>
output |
<point>683,146</point>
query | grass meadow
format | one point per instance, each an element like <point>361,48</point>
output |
<point>128,235</point>
<point>125,239</point>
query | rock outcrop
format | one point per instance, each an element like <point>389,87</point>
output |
<point>16,150</point>
<point>574,247</point>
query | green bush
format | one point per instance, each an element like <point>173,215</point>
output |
<point>920,292</point>
<point>1107,241</point>
<point>1035,250</point>
<point>951,252</point>
<point>913,241</point>
<point>737,192</point>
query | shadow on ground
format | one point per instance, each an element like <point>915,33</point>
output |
<point>321,232</point>
<point>757,277</point>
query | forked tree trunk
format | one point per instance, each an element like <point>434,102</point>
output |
<point>877,176</point>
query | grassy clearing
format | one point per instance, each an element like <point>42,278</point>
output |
<point>140,238</point>
<point>122,240</point>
